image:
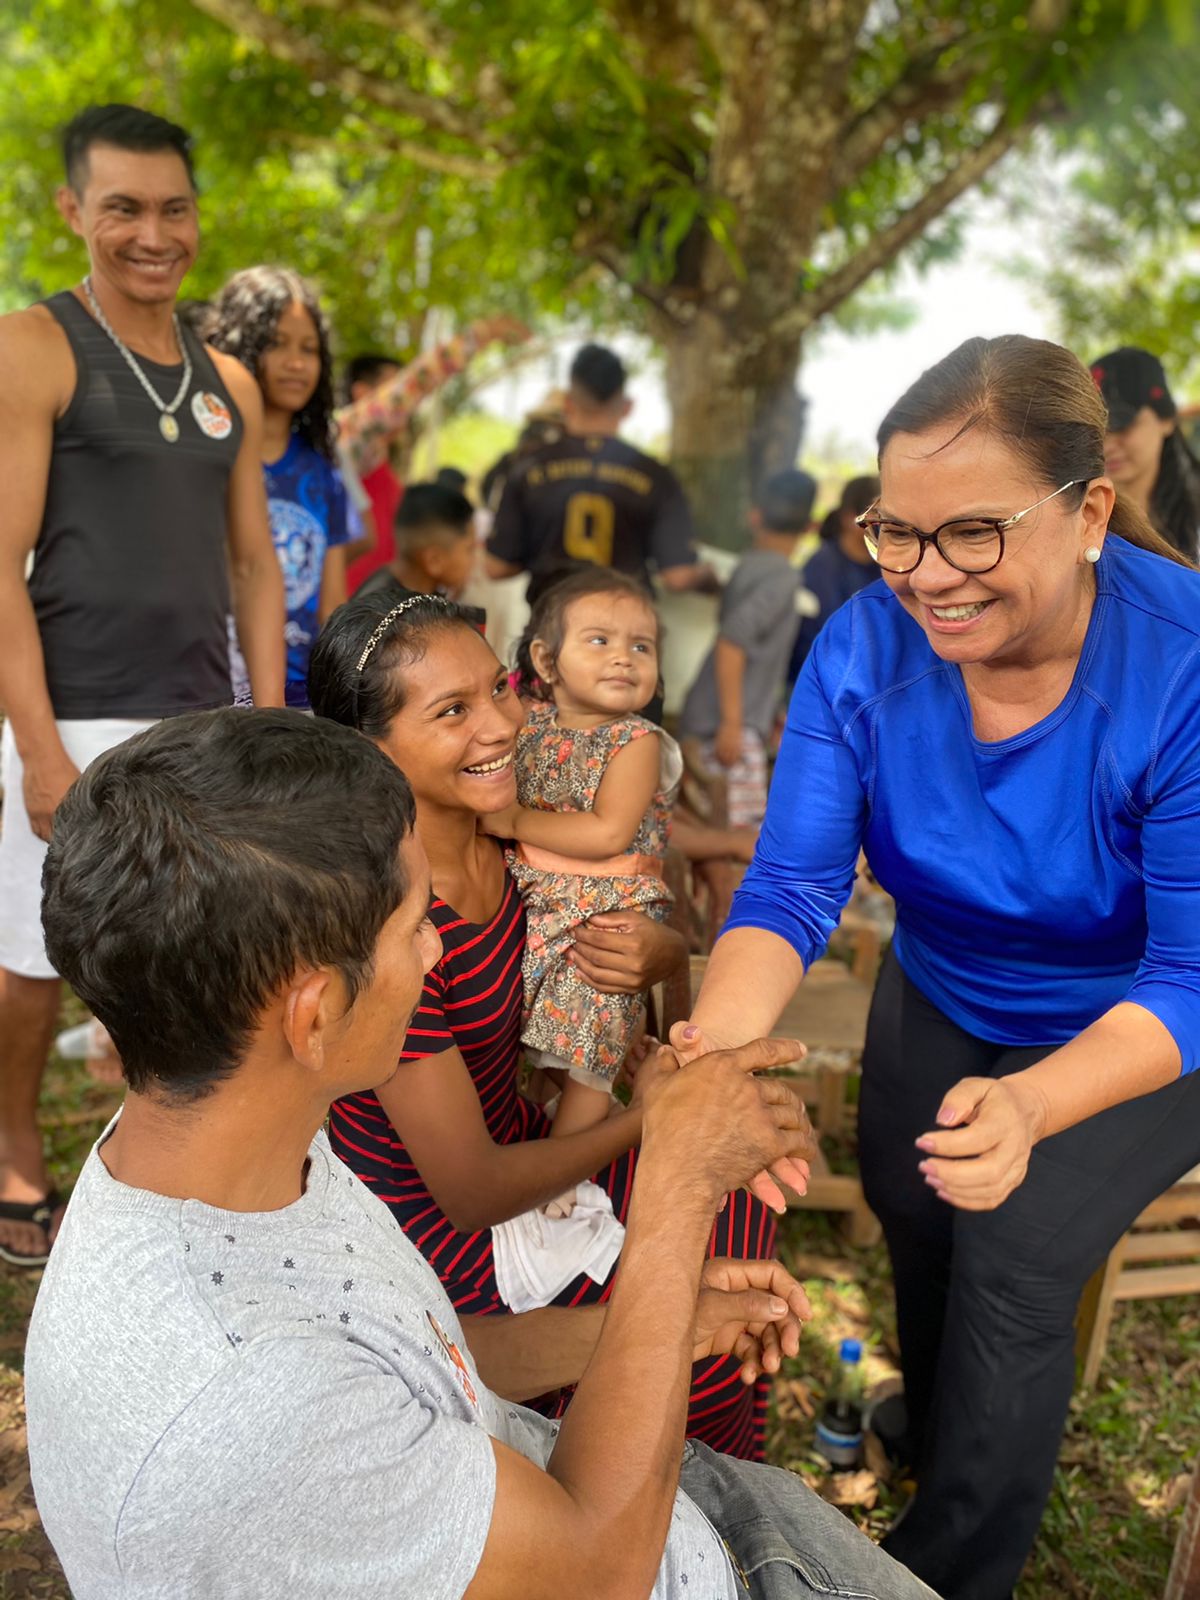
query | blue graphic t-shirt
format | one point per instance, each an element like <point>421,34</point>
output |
<point>310,514</point>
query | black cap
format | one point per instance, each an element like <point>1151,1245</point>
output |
<point>1129,379</point>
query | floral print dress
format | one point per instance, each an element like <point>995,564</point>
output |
<point>559,769</point>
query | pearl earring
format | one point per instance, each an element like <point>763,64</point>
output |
<point>1092,554</point>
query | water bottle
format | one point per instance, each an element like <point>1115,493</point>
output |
<point>88,1042</point>
<point>840,1427</point>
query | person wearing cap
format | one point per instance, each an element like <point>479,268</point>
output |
<point>1145,453</point>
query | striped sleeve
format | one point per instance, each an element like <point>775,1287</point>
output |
<point>429,1032</point>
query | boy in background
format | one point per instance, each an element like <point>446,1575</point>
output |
<point>731,706</point>
<point>435,545</point>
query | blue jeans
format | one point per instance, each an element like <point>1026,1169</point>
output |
<point>783,1540</point>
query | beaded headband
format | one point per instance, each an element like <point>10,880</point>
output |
<point>386,622</point>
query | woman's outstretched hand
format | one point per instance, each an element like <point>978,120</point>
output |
<point>689,1043</point>
<point>987,1128</point>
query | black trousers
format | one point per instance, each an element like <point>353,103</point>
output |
<point>986,1301</point>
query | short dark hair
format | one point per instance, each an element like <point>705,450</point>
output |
<point>366,368</point>
<point>427,511</point>
<point>548,620</point>
<point>196,867</point>
<point>369,699</point>
<point>452,478</point>
<point>599,372</point>
<point>786,500</point>
<point>129,128</point>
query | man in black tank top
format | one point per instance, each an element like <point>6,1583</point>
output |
<point>129,455</point>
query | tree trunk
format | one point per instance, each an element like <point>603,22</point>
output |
<point>728,433</point>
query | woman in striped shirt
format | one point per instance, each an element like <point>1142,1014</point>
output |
<point>449,1143</point>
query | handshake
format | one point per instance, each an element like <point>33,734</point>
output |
<point>708,1117</point>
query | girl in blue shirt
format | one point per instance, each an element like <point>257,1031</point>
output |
<point>270,319</point>
<point>1009,723</point>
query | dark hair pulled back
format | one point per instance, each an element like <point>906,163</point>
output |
<point>371,698</point>
<point>1041,401</point>
<point>549,618</point>
<point>1175,500</point>
<point>858,495</point>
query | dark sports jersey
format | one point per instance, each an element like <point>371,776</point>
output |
<point>130,580</point>
<point>591,499</point>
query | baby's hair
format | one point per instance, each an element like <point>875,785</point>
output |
<point>549,619</point>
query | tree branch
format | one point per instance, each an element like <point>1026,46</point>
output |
<point>664,34</point>
<point>474,168</point>
<point>920,91</point>
<point>836,286</point>
<point>413,20</point>
<point>661,300</point>
<point>245,18</point>
<point>927,86</point>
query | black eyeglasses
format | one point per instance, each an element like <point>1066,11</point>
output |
<point>969,544</point>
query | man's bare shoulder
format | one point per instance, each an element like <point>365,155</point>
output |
<point>36,354</point>
<point>241,383</point>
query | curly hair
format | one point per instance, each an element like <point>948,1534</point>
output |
<point>244,319</point>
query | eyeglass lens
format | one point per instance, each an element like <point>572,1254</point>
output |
<point>969,546</point>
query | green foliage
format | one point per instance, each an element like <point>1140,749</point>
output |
<point>1118,241</point>
<point>551,157</point>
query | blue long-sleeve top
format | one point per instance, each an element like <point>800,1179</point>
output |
<point>1038,880</point>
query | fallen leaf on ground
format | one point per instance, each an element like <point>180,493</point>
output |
<point>851,1489</point>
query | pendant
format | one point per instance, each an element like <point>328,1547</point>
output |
<point>168,427</point>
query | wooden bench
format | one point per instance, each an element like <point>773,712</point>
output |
<point>1155,1258</point>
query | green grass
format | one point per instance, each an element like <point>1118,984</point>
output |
<point>1124,1468</point>
<point>1112,1518</point>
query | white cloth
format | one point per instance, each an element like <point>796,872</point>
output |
<point>22,947</point>
<point>537,1256</point>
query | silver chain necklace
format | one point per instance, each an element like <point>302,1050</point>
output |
<point>167,424</point>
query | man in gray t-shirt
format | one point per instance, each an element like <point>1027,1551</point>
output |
<point>242,1379</point>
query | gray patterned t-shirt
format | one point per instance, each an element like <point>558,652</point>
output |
<point>271,1404</point>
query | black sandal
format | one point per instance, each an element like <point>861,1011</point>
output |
<point>38,1212</point>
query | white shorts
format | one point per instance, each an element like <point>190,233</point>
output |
<point>22,947</point>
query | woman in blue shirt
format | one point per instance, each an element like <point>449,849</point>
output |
<point>1009,723</point>
<point>269,317</point>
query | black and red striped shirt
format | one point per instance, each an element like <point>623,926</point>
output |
<point>471,999</point>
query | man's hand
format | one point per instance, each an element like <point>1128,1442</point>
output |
<point>751,1310</point>
<point>727,745</point>
<point>46,781</point>
<point>718,1126</point>
<point>690,1043</point>
<point>624,952</point>
<point>988,1127</point>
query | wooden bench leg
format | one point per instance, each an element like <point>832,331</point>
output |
<point>1183,1582</point>
<point>1094,1317</point>
<point>862,1225</point>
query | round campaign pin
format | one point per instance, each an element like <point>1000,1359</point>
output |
<point>212,415</point>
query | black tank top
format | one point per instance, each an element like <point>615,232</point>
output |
<point>130,580</point>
